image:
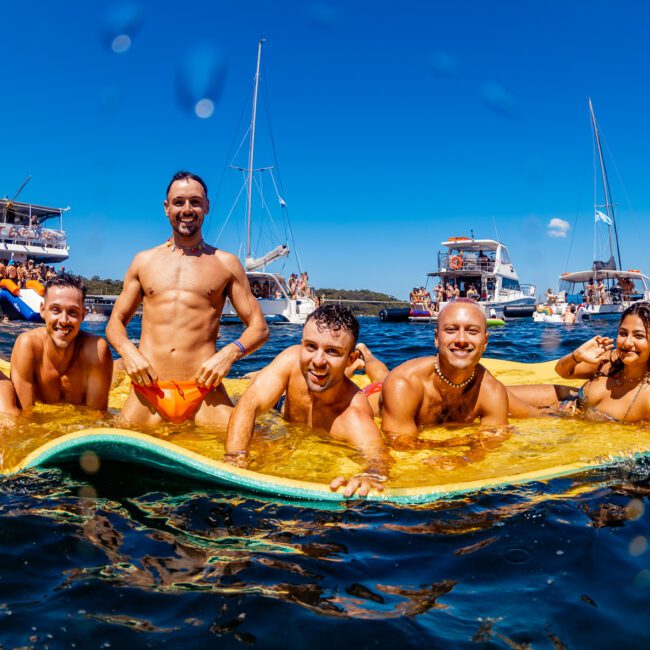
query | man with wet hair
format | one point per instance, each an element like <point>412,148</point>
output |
<point>310,379</point>
<point>58,363</point>
<point>183,284</point>
<point>448,388</point>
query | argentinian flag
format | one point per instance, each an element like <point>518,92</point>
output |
<point>601,216</point>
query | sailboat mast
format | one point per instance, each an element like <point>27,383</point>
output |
<point>609,205</point>
<point>251,152</point>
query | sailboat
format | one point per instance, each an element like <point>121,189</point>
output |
<point>606,289</point>
<point>277,300</point>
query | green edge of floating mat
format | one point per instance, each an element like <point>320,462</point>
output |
<point>142,449</point>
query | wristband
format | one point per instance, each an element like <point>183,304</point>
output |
<point>242,453</point>
<point>573,356</point>
<point>241,347</point>
<point>380,478</point>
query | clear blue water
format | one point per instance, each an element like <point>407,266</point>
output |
<point>157,561</point>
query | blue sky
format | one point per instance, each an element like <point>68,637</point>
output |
<point>396,125</point>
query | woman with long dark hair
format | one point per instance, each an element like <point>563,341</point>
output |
<point>618,386</point>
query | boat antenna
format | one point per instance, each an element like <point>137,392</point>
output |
<point>496,230</point>
<point>251,152</point>
<point>20,189</point>
<point>609,205</point>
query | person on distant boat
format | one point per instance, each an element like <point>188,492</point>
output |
<point>618,386</point>
<point>183,283</point>
<point>451,387</point>
<point>58,363</point>
<point>308,384</point>
<point>472,293</point>
<point>600,292</point>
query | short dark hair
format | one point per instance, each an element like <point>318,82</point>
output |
<point>67,280</point>
<point>335,318</point>
<point>183,175</point>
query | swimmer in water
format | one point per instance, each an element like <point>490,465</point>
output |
<point>183,283</point>
<point>451,387</point>
<point>58,363</point>
<point>317,393</point>
<point>618,386</point>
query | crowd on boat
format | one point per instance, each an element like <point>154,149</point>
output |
<point>422,301</point>
<point>298,287</point>
<point>22,272</point>
<point>177,376</point>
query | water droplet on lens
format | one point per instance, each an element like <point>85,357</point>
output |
<point>121,23</point>
<point>323,16</point>
<point>89,462</point>
<point>204,108</point>
<point>200,79</point>
<point>635,509</point>
<point>517,555</point>
<point>121,43</point>
<point>443,65</point>
<point>498,99</point>
<point>638,546</point>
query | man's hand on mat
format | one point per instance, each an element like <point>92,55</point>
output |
<point>138,368</point>
<point>214,369</point>
<point>594,350</point>
<point>359,483</point>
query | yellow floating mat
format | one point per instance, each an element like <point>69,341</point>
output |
<point>538,450</point>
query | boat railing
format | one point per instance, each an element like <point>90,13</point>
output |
<point>34,236</point>
<point>465,262</point>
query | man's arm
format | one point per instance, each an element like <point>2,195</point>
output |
<point>493,404</point>
<point>100,374</point>
<point>22,371</point>
<point>401,400</point>
<point>214,369</point>
<point>136,365</point>
<point>357,426</point>
<point>263,393</point>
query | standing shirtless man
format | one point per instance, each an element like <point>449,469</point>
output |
<point>449,388</point>
<point>183,284</point>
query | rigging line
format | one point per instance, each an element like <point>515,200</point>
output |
<point>228,157</point>
<point>618,174</point>
<point>595,193</point>
<point>287,221</point>
<point>275,233</point>
<point>575,223</point>
<point>275,158</point>
<point>234,205</point>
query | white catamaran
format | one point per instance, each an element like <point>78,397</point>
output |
<point>277,300</point>
<point>605,290</point>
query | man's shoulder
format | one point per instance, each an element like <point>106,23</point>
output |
<point>227,259</point>
<point>413,369</point>
<point>92,346</point>
<point>31,338</point>
<point>489,381</point>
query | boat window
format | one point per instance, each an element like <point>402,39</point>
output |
<point>512,285</point>
<point>505,256</point>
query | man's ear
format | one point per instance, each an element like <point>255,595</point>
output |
<point>207,205</point>
<point>42,310</point>
<point>352,357</point>
<point>166,206</point>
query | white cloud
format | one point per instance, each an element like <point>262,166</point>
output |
<point>557,227</point>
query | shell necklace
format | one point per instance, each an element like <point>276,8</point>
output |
<point>192,251</point>
<point>448,381</point>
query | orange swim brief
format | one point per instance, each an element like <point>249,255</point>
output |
<point>176,401</point>
<point>373,388</point>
